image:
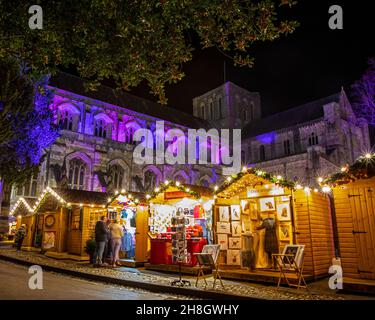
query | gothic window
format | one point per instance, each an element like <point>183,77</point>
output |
<point>286,147</point>
<point>313,139</point>
<point>244,114</point>
<point>202,112</point>
<point>66,120</point>
<point>77,169</point>
<point>262,153</point>
<point>117,173</point>
<point>220,109</point>
<point>129,135</point>
<point>29,188</point>
<point>150,181</point>
<point>212,110</point>
<point>205,183</point>
<point>101,128</point>
<point>251,111</point>
<point>180,179</point>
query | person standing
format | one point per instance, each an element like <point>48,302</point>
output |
<point>101,237</point>
<point>117,233</point>
<point>20,235</point>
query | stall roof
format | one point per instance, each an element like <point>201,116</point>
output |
<point>250,177</point>
<point>362,168</point>
<point>136,197</point>
<point>22,205</point>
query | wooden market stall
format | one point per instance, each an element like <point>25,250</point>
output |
<point>23,213</point>
<point>65,219</point>
<point>131,210</point>
<point>354,201</point>
<point>257,214</point>
<point>168,204</point>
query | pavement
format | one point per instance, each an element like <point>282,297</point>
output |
<point>14,286</point>
<point>160,282</point>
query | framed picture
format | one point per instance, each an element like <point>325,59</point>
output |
<point>234,243</point>
<point>295,253</point>
<point>235,211</point>
<point>222,240</point>
<point>254,211</point>
<point>285,232</point>
<point>267,204</point>
<point>236,229</point>
<point>246,226</point>
<point>49,240</point>
<point>233,257</point>
<point>223,227</point>
<point>224,214</point>
<point>283,212</point>
<point>245,206</point>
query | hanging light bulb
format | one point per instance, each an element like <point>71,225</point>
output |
<point>123,191</point>
<point>298,186</point>
<point>166,182</point>
<point>177,183</point>
<point>368,155</point>
<point>326,189</point>
<point>216,188</point>
<point>320,179</point>
<point>229,179</point>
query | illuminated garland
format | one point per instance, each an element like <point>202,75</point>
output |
<point>276,179</point>
<point>122,193</point>
<point>164,186</point>
<point>18,203</point>
<point>362,168</point>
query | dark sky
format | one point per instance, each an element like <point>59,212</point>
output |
<point>313,62</point>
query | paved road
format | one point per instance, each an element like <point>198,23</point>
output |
<point>14,285</point>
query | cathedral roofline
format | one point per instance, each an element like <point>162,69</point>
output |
<point>105,94</point>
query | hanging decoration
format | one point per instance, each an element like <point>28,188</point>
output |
<point>362,168</point>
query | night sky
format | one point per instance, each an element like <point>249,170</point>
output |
<point>311,63</point>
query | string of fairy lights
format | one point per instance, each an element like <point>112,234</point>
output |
<point>362,168</point>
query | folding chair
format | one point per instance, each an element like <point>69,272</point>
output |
<point>291,263</point>
<point>209,257</point>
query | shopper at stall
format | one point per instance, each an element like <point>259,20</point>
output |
<point>107,247</point>
<point>101,237</point>
<point>117,232</point>
<point>20,235</point>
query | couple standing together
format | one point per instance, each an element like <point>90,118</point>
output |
<point>107,235</point>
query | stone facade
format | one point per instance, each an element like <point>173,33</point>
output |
<point>95,149</point>
<point>301,143</point>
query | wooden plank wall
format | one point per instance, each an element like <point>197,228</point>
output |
<point>349,261</point>
<point>313,228</point>
<point>357,251</point>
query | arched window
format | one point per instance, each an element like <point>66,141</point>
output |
<point>251,111</point>
<point>212,111</point>
<point>220,109</point>
<point>101,128</point>
<point>180,179</point>
<point>77,170</point>
<point>262,153</point>
<point>286,147</point>
<point>244,114</point>
<point>29,189</point>
<point>117,174</point>
<point>313,139</point>
<point>202,112</point>
<point>150,181</point>
<point>65,120</point>
<point>129,135</point>
<point>205,183</point>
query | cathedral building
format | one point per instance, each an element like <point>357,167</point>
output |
<point>302,143</point>
<point>95,149</point>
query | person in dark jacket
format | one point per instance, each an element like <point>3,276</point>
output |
<point>101,237</point>
<point>20,235</point>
